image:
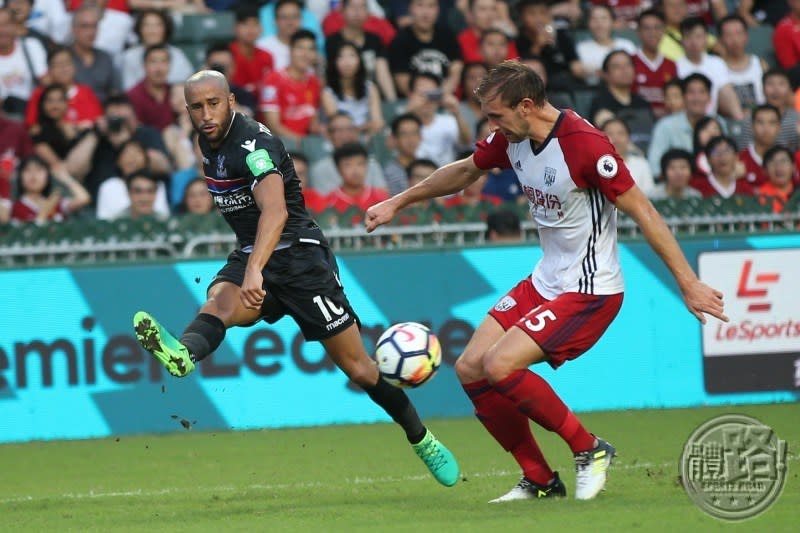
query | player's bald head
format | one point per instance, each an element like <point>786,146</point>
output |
<point>207,78</point>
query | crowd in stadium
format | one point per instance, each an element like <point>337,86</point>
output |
<point>371,96</point>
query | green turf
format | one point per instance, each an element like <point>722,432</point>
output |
<point>364,478</point>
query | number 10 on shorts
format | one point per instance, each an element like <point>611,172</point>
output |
<point>327,307</point>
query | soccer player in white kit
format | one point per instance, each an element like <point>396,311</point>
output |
<point>575,181</point>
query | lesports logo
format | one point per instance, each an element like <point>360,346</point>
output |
<point>733,467</point>
<point>759,311</point>
<point>755,286</point>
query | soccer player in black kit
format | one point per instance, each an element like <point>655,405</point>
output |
<point>283,265</point>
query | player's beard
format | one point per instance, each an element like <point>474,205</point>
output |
<point>222,129</point>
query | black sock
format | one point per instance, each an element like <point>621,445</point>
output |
<point>397,405</point>
<point>203,336</point>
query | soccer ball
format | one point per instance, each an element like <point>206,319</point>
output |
<point>408,354</point>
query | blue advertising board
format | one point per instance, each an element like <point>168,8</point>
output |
<point>70,366</point>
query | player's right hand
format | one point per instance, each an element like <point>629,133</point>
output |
<point>379,214</point>
<point>252,293</point>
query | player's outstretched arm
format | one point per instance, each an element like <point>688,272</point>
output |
<point>445,180</point>
<point>699,297</point>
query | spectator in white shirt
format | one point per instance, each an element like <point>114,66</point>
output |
<point>288,14</point>
<point>620,136</point>
<point>442,133</point>
<point>115,30</point>
<point>22,63</point>
<point>153,27</point>
<point>592,52</point>
<point>723,97</point>
<point>744,70</point>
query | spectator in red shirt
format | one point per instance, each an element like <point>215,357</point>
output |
<point>36,200</point>
<point>83,107</point>
<point>220,58</point>
<point>290,98</point>
<point>722,180</point>
<point>251,63</point>
<point>786,41</point>
<point>15,143</point>
<point>315,202</point>
<point>652,69</point>
<point>779,165</point>
<point>336,20</point>
<point>118,5</point>
<point>495,47</point>
<point>351,161</point>
<point>150,97</point>
<point>483,15</point>
<point>766,127</point>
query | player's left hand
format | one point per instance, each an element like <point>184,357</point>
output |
<point>702,299</point>
<point>253,292</point>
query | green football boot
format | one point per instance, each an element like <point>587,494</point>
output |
<point>158,341</point>
<point>439,460</point>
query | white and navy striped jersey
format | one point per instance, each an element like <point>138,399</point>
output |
<point>571,181</point>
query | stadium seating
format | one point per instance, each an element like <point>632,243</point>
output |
<point>203,28</point>
<point>195,52</point>
<point>760,43</point>
<point>81,241</point>
<point>314,147</point>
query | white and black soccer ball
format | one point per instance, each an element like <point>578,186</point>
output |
<point>408,354</point>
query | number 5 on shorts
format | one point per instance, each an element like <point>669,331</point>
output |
<point>540,320</point>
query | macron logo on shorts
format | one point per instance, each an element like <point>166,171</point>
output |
<point>506,303</point>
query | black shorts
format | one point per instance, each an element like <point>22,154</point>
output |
<point>301,281</point>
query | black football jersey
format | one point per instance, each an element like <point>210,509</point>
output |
<point>248,154</point>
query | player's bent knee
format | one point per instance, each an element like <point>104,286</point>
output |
<point>364,375</point>
<point>495,368</point>
<point>469,369</point>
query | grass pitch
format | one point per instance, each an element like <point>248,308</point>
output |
<point>365,478</point>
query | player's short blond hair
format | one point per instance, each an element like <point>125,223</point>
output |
<point>512,82</point>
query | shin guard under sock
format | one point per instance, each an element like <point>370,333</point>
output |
<point>510,428</point>
<point>203,336</point>
<point>533,396</point>
<point>397,405</point>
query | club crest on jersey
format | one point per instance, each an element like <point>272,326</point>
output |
<point>549,176</point>
<point>222,172</point>
<point>505,303</point>
<point>607,166</point>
